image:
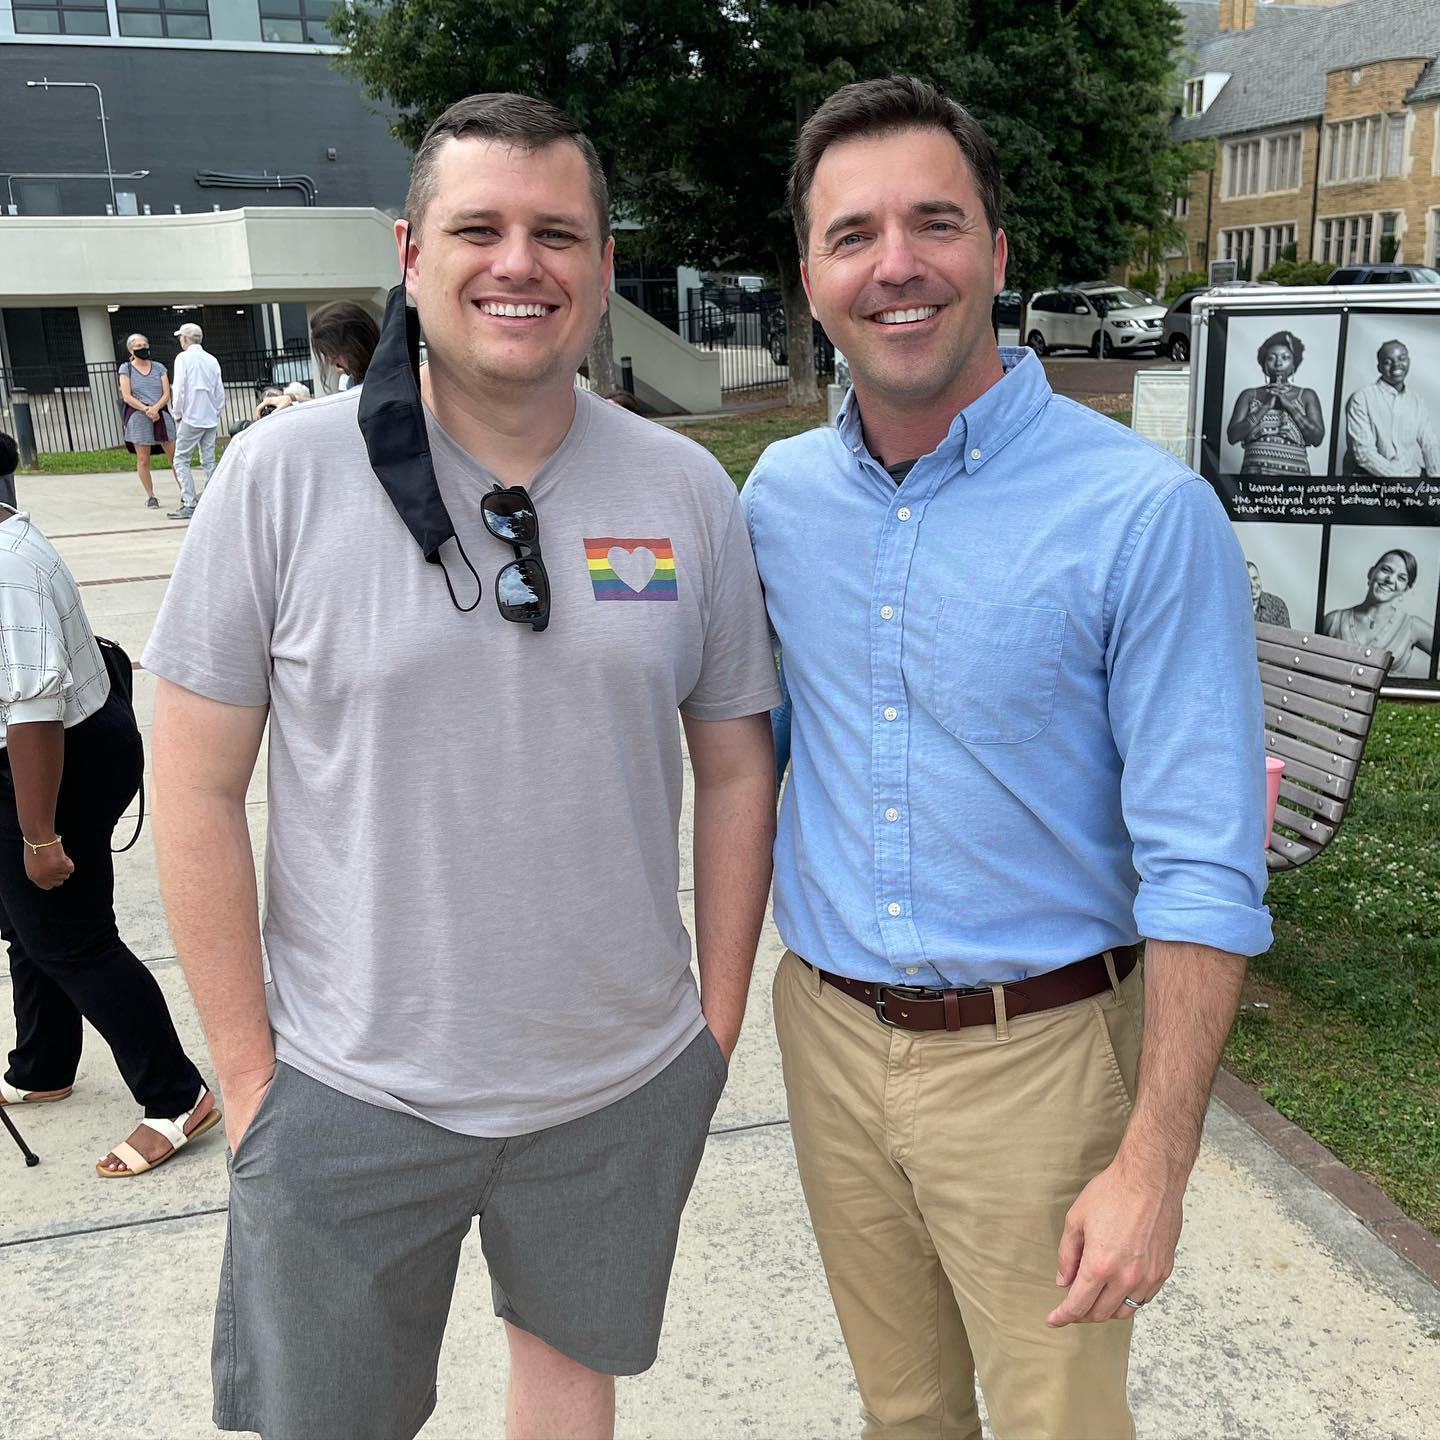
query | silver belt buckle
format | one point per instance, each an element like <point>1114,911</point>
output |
<point>911,992</point>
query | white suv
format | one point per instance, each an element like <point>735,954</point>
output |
<point>1102,318</point>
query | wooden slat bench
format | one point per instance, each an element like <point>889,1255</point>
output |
<point>1320,700</point>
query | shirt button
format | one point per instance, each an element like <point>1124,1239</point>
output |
<point>892,814</point>
<point>974,454</point>
<point>912,969</point>
<point>903,513</point>
<point>891,713</point>
<point>887,612</point>
<point>893,908</point>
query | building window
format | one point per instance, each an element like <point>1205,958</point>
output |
<point>1282,162</point>
<point>1263,166</point>
<point>1395,145</point>
<point>61,17</point>
<point>1435,237</point>
<point>1242,169</point>
<point>165,19</point>
<point>1368,149</point>
<point>1239,246</point>
<point>296,22</point>
<point>1255,248</point>
<point>1346,239</point>
<point>1182,206</point>
<point>1389,236</point>
<point>1272,242</point>
<point>1195,96</point>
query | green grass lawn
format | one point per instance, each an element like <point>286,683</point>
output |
<point>1349,1044</point>
<point>1349,1048</point>
<point>737,440</point>
<point>106,462</point>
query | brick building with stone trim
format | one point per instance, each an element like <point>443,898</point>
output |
<point>1325,126</point>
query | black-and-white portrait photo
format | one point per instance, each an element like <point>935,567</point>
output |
<point>1283,562</point>
<point>1279,379</point>
<point>1391,412</point>
<point>1381,584</point>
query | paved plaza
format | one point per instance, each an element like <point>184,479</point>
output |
<point>1286,1320</point>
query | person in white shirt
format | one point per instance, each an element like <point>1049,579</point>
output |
<point>198,402</point>
<point>1389,431</point>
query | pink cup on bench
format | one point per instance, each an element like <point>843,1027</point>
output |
<point>1274,771</point>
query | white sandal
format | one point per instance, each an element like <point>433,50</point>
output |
<point>173,1130</point>
<point>13,1095</point>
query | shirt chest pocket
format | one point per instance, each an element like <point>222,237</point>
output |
<point>993,672</point>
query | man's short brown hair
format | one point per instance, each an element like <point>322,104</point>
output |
<point>870,109</point>
<point>521,120</point>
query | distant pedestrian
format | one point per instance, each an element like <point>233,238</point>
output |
<point>9,461</point>
<point>344,335</point>
<point>145,393</point>
<point>199,402</point>
<point>70,764</point>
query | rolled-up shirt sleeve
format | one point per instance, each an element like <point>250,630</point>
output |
<point>1188,720</point>
<point>33,662</point>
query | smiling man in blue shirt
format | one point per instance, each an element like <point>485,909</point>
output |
<point>1026,733</point>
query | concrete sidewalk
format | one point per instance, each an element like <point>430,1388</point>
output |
<point>1287,1318</point>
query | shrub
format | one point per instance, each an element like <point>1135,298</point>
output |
<point>1299,272</point>
<point>1189,280</point>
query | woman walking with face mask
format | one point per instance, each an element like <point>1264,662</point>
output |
<point>145,391</point>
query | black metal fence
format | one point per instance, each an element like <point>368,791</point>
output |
<point>749,333</point>
<point>77,407</point>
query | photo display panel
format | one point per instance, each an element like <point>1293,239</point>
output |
<point>1317,420</point>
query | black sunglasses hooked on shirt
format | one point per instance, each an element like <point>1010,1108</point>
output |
<point>522,588</point>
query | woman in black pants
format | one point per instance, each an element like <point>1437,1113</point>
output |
<point>70,764</point>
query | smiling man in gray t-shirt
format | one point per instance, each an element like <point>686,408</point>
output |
<point>473,971</point>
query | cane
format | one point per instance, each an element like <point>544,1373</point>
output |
<point>31,1158</point>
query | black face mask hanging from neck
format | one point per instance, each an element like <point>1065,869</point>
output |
<point>392,420</point>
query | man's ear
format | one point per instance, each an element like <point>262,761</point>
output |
<point>409,255</point>
<point>1001,247</point>
<point>607,274</point>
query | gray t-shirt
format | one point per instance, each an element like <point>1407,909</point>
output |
<point>471,910</point>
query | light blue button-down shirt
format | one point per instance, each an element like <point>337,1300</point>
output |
<point>1027,721</point>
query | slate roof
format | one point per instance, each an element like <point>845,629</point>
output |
<point>1277,69</point>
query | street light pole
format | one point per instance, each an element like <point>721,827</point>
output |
<point>46,83</point>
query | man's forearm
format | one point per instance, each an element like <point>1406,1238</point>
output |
<point>1191,993</point>
<point>734,836</point>
<point>216,926</point>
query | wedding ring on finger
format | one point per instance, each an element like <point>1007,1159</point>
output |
<point>1134,1304</point>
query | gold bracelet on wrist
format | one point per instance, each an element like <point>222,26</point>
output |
<point>43,845</point>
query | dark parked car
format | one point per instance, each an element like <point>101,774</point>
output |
<point>712,322</point>
<point>1384,275</point>
<point>777,342</point>
<point>1176,326</point>
<point>1006,309</point>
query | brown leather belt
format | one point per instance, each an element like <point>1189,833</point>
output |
<point>917,1008</point>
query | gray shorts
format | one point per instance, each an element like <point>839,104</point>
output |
<point>344,1240</point>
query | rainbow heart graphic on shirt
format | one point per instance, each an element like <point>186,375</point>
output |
<point>631,569</point>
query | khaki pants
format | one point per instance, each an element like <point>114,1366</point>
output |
<point>938,1168</point>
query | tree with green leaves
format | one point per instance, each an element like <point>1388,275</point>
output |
<point>612,65</point>
<point>694,107</point>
